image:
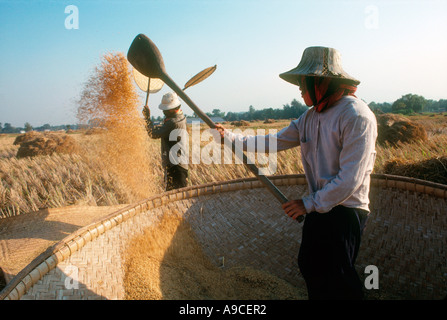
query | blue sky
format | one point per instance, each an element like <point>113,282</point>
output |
<point>393,47</point>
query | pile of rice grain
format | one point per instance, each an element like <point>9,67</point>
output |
<point>167,262</point>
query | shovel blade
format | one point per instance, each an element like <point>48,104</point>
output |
<point>144,56</point>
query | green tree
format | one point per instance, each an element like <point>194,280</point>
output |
<point>251,112</point>
<point>292,110</point>
<point>8,128</point>
<point>218,113</point>
<point>374,106</point>
<point>400,107</point>
<point>28,127</point>
<point>443,105</point>
<point>409,103</point>
<point>232,116</point>
<point>384,107</point>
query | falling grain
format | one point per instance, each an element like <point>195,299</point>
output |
<point>109,100</point>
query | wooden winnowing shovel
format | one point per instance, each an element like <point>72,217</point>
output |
<point>144,56</point>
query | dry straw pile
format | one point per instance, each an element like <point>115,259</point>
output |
<point>240,123</point>
<point>26,137</point>
<point>393,128</point>
<point>37,143</point>
<point>434,169</point>
<point>413,147</point>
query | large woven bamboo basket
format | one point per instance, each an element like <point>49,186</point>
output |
<point>240,220</point>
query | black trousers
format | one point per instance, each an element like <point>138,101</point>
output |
<point>328,251</point>
<point>177,177</point>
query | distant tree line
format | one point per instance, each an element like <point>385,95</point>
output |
<point>407,104</point>
<point>8,128</point>
<point>410,103</point>
<point>288,111</point>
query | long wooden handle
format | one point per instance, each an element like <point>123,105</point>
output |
<point>267,183</point>
<point>148,90</point>
<point>144,55</point>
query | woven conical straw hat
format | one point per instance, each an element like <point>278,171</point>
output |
<point>242,222</point>
<point>318,62</point>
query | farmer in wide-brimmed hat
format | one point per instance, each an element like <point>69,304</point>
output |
<point>174,142</point>
<point>337,138</point>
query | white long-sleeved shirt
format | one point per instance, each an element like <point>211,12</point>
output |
<point>337,151</point>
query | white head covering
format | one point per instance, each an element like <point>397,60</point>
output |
<point>169,101</point>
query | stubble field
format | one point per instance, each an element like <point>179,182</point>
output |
<point>91,176</point>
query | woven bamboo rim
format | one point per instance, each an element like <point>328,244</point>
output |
<point>49,259</point>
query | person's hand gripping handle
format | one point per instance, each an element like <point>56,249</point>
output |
<point>146,113</point>
<point>293,208</point>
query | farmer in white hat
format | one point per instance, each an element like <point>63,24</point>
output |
<point>337,137</point>
<point>174,141</point>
